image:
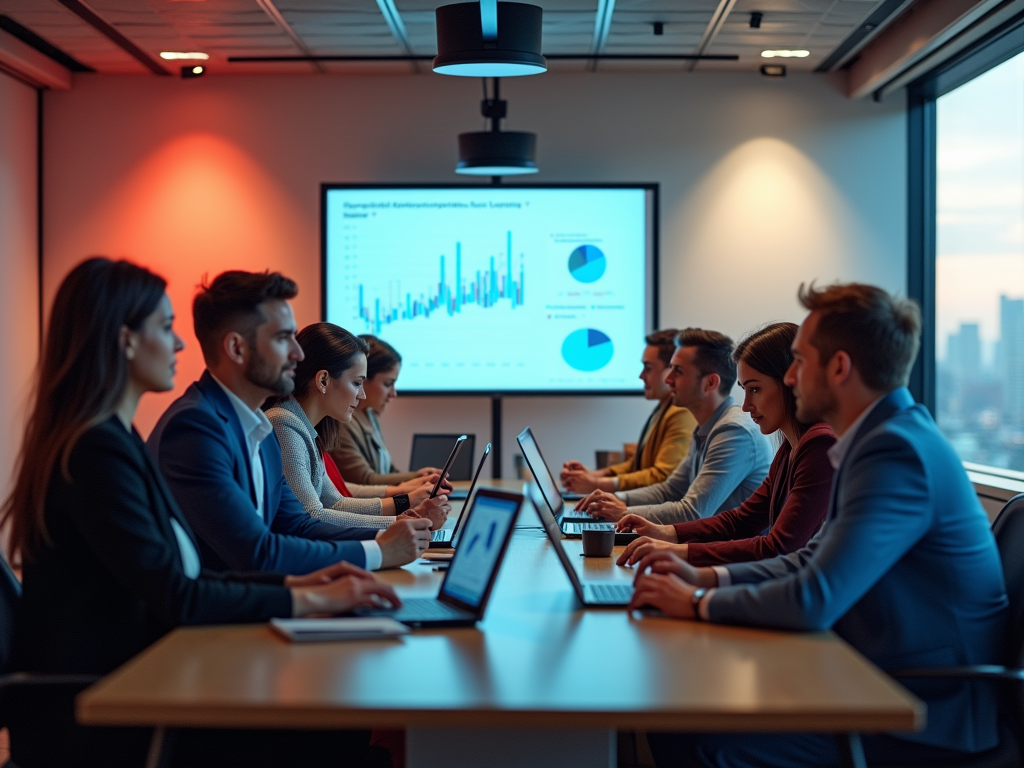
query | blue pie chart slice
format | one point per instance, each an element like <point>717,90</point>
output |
<point>587,263</point>
<point>587,349</point>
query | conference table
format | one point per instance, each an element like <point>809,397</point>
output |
<point>540,682</point>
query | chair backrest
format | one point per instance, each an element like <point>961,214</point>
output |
<point>1008,528</point>
<point>433,450</point>
<point>10,594</point>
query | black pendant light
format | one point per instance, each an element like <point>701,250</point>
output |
<point>495,152</point>
<point>489,39</point>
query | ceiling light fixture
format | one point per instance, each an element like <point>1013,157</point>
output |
<point>496,153</point>
<point>796,54</point>
<point>773,70</point>
<point>184,55</point>
<point>489,39</point>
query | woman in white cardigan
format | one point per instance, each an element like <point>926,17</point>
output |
<point>328,387</point>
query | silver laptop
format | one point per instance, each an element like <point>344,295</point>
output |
<point>570,522</point>
<point>592,593</point>
<point>462,599</point>
<point>449,537</point>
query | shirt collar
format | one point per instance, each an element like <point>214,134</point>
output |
<point>838,451</point>
<point>705,429</point>
<point>255,424</point>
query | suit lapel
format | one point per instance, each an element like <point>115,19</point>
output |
<point>213,392</point>
<point>897,400</point>
<point>171,505</point>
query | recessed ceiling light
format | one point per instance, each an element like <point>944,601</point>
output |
<point>181,55</point>
<point>798,54</point>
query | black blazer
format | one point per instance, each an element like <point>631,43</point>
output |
<point>111,582</point>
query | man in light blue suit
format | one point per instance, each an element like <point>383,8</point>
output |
<point>905,567</point>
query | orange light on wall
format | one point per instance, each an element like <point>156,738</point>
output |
<point>196,207</point>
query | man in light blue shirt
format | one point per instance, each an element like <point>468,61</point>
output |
<point>905,568</point>
<point>729,458</point>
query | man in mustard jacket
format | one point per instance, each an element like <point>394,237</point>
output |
<point>664,441</point>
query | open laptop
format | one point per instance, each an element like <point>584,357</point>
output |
<point>590,593</point>
<point>467,585</point>
<point>448,537</point>
<point>571,523</point>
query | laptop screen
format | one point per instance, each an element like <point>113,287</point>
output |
<point>479,552</point>
<point>457,530</point>
<point>540,472</point>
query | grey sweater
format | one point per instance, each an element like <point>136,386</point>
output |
<point>304,470</point>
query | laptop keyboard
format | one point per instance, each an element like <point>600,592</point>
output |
<point>578,528</point>
<point>428,608</point>
<point>601,592</point>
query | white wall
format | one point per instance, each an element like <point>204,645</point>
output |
<point>19,306</point>
<point>765,183</point>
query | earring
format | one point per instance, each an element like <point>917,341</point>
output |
<point>129,353</point>
<point>323,390</point>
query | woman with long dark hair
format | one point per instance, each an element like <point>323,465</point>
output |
<point>110,563</point>
<point>328,389</point>
<point>790,505</point>
<point>360,452</point>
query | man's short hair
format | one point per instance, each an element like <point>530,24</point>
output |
<point>665,341</point>
<point>714,355</point>
<point>232,303</point>
<point>879,332</point>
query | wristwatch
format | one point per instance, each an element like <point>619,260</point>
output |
<point>401,503</point>
<point>695,598</point>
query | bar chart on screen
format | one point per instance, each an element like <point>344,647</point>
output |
<point>494,289</point>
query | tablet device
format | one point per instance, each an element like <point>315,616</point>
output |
<point>448,464</point>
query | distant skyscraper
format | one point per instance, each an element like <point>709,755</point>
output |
<point>964,356</point>
<point>1011,359</point>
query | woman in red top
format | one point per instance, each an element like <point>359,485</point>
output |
<point>789,506</point>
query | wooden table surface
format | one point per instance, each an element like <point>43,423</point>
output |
<point>538,660</point>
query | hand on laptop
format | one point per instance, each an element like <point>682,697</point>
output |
<point>435,510</point>
<point>427,471</point>
<point>403,541</point>
<point>638,549</point>
<point>571,467</point>
<point>661,561</point>
<point>327,575</point>
<point>349,588</point>
<point>664,591</point>
<point>645,527</point>
<point>603,506</point>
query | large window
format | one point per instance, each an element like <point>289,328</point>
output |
<point>979,266</point>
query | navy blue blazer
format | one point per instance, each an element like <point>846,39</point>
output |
<point>904,568</point>
<point>199,446</point>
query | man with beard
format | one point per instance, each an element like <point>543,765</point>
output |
<point>905,567</point>
<point>219,455</point>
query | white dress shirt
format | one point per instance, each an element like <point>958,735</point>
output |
<point>189,556</point>
<point>257,427</point>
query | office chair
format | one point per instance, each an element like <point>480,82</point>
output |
<point>433,450</point>
<point>38,709</point>
<point>1008,529</point>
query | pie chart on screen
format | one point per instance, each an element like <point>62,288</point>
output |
<point>587,263</point>
<point>587,349</point>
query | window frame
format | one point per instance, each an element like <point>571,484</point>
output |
<point>1002,44</point>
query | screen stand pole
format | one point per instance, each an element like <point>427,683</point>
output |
<point>496,437</point>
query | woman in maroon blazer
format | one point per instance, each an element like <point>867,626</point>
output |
<point>789,506</point>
